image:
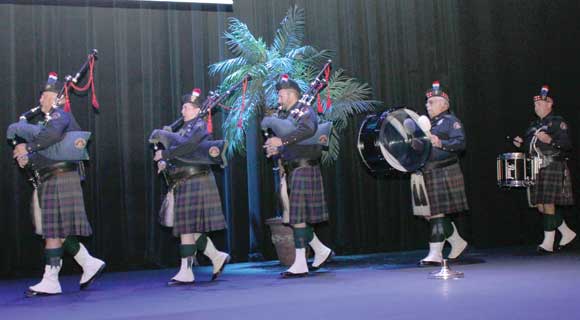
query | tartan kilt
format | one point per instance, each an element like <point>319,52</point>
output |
<point>198,207</point>
<point>307,202</point>
<point>553,185</point>
<point>446,189</point>
<point>62,206</point>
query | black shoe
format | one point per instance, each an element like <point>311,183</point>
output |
<point>289,275</point>
<point>215,275</point>
<point>174,283</point>
<point>31,293</point>
<point>425,263</point>
<point>567,245</point>
<point>93,278</point>
<point>328,258</point>
<point>543,251</point>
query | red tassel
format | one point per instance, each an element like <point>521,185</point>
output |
<point>90,83</point>
<point>327,77</point>
<point>94,101</point>
<point>66,99</point>
<point>209,122</point>
<point>244,87</point>
<point>319,103</point>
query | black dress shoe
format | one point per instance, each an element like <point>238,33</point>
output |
<point>215,275</point>
<point>425,263</point>
<point>567,245</point>
<point>31,293</point>
<point>95,276</point>
<point>543,251</point>
<point>328,258</point>
<point>174,283</point>
<point>289,275</point>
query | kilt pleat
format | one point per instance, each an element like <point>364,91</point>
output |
<point>307,203</point>
<point>198,207</point>
<point>62,206</point>
<point>446,189</point>
<point>553,185</point>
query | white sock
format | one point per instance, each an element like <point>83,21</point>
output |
<point>321,251</point>
<point>567,234</point>
<point>548,243</point>
<point>299,265</point>
<point>435,252</point>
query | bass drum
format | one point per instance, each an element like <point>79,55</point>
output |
<point>394,140</point>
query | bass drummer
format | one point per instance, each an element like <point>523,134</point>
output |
<point>548,139</point>
<point>443,178</point>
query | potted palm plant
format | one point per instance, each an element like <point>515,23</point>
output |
<point>287,54</point>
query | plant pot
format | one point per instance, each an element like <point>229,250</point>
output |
<point>283,240</point>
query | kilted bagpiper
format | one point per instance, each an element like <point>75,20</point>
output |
<point>302,167</point>
<point>443,178</point>
<point>57,204</point>
<point>548,140</point>
<point>192,207</point>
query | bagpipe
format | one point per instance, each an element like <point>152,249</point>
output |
<point>208,151</point>
<point>273,125</point>
<point>73,146</point>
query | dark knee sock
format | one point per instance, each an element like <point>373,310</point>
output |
<point>551,221</point>
<point>309,233</point>
<point>52,257</point>
<point>71,245</point>
<point>201,243</point>
<point>441,229</point>
<point>300,236</point>
<point>187,250</point>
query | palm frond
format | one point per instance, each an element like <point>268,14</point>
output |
<point>310,55</point>
<point>227,66</point>
<point>241,42</point>
<point>330,155</point>
<point>290,34</point>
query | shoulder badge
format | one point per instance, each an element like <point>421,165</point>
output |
<point>456,125</point>
<point>80,143</point>
<point>563,125</point>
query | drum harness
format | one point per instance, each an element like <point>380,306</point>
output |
<point>539,161</point>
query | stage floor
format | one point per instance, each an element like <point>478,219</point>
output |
<point>511,283</point>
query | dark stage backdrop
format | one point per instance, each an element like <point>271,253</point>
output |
<point>493,56</point>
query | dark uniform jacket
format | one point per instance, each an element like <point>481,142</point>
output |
<point>449,129</point>
<point>557,128</point>
<point>58,123</point>
<point>194,132</point>
<point>307,124</point>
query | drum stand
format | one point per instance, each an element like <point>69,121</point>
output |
<point>445,273</point>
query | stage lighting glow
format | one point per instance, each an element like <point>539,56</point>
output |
<point>230,2</point>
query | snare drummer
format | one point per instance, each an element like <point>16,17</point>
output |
<point>548,139</point>
<point>443,177</point>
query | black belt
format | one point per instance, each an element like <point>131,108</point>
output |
<point>298,163</point>
<point>56,169</point>
<point>440,164</point>
<point>184,173</point>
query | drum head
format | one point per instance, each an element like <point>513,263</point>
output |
<point>403,143</point>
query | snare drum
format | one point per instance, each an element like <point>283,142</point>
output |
<point>515,170</point>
